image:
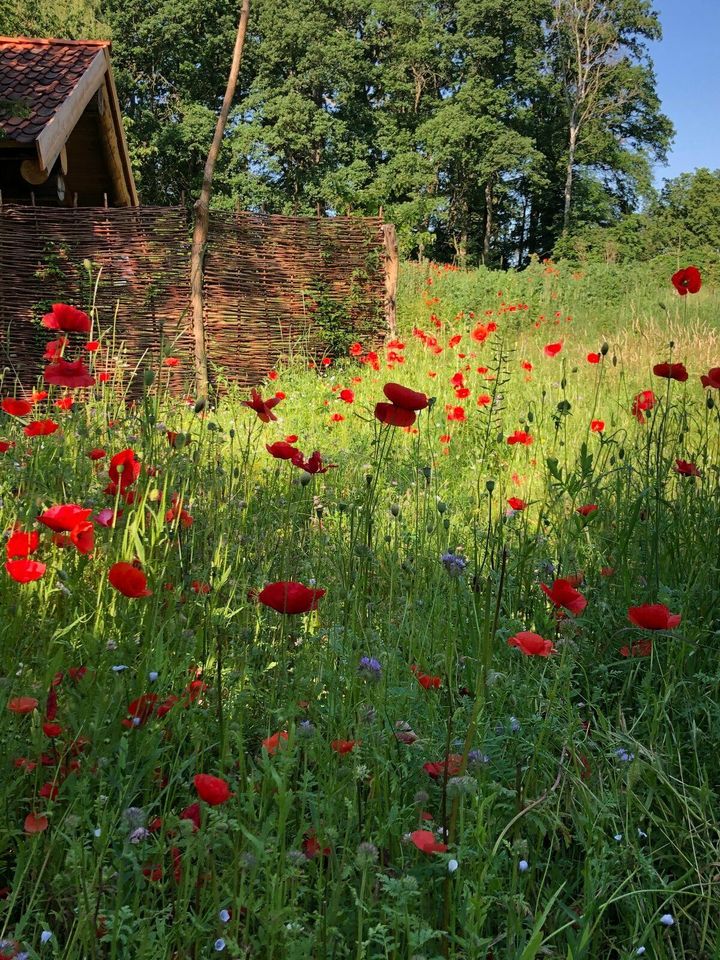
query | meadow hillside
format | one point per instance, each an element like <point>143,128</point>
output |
<point>344,670</point>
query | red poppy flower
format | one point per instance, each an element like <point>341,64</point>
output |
<point>35,823</point>
<point>106,517</point>
<point>275,741</point>
<point>586,509</point>
<point>394,416</point>
<point>687,280</point>
<point>54,349</point>
<point>515,503</point>
<point>212,790</point>
<point>593,358</point>
<point>531,644</point>
<point>25,571</point>
<point>52,730</point>
<point>16,407</point>
<point>263,408</point>
<point>337,418</point>
<point>355,349</point>
<point>313,464</point>
<point>425,841</point>
<point>526,365</point>
<point>64,517</point>
<point>645,400</point>
<point>450,767</point>
<point>128,580</point>
<point>686,469</point>
<point>92,346</point>
<point>520,437</point>
<point>711,378</point>
<point>192,813</point>
<point>671,371</point>
<point>405,398</point>
<point>456,414</point>
<point>484,400</point>
<point>552,349</point>
<point>597,426</point>
<point>344,746</point>
<point>641,648</point>
<point>124,468</point>
<point>653,616</point>
<point>289,596</point>
<point>347,395</point>
<point>97,453</point>
<point>64,373</point>
<point>426,681</point>
<point>22,544</point>
<point>64,403</point>
<point>171,362</point>
<point>6,445</point>
<point>311,847</point>
<point>563,594</point>
<point>22,705</point>
<point>67,318</point>
<point>40,428</point>
<point>83,536</point>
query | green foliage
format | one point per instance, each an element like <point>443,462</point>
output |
<point>450,114</point>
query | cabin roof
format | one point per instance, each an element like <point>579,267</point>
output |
<point>46,84</point>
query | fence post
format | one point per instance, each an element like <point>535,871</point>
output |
<point>392,263</point>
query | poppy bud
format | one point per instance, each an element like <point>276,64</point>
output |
<point>446,523</point>
<point>199,405</point>
<point>395,509</point>
<point>672,344</point>
<point>489,485</point>
<point>563,383</point>
<point>530,416</point>
<point>430,527</point>
<point>426,472</point>
<point>148,378</point>
<point>305,478</point>
<point>87,265</point>
<point>614,360</point>
<point>231,433</point>
<point>604,349</point>
<point>621,453</point>
<point>710,403</point>
<point>441,507</point>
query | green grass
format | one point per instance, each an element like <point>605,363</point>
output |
<point>547,741</point>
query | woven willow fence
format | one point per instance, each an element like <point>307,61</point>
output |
<point>273,286</point>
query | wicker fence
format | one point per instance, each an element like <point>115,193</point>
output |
<point>273,285</point>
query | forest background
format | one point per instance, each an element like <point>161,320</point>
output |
<point>487,131</point>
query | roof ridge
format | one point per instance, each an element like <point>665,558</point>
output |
<point>47,41</point>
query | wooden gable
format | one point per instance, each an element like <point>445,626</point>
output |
<point>61,135</point>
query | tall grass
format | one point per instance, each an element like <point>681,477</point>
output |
<point>580,801</point>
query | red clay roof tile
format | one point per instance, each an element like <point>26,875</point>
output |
<point>36,77</point>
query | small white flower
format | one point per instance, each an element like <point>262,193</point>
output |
<point>667,919</point>
<point>97,832</point>
<point>111,645</point>
<point>452,866</point>
<point>224,916</point>
<point>640,951</point>
<point>219,944</point>
<point>618,837</point>
<point>641,833</point>
<point>523,866</point>
<point>153,675</point>
<point>45,936</point>
<point>119,667</point>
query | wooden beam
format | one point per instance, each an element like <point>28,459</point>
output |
<point>54,135</point>
<point>392,265</point>
<point>124,153</point>
<point>111,150</point>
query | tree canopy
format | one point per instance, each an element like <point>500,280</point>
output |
<point>475,124</point>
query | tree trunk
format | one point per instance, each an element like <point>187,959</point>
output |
<point>202,213</point>
<point>488,221</point>
<point>572,146</point>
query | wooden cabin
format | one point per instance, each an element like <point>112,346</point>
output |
<point>61,136</point>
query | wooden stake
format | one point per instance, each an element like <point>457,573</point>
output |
<point>202,213</point>
<point>392,265</point>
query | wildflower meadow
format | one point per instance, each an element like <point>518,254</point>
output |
<point>410,652</point>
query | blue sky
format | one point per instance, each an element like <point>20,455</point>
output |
<point>687,63</point>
